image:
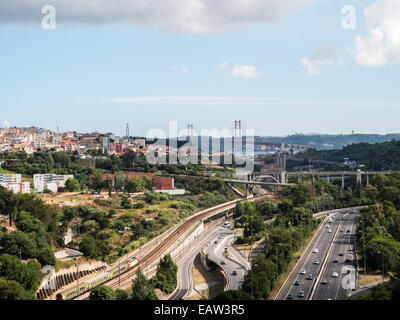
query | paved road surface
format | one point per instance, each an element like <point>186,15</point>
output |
<point>235,265</point>
<point>321,241</point>
<point>344,243</point>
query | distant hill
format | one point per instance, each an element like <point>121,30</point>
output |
<point>327,142</point>
<point>379,156</point>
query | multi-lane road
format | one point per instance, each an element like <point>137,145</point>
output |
<point>185,279</point>
<point>215,241</point>
<point>316,264</point>
<point>234,264</point>
<point>342,248</point>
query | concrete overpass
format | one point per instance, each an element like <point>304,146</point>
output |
<point>282,176</point>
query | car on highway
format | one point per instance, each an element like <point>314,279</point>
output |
<point>349,258</point>
<point>290,296</point>
<point>324,281</point>
<point>341,254</point>
<point>297,282</point>
<point>215,241</point>
<point>329,230</point>
<point>335,261</point>
<point>316,261</point>
<point>234,273</point>
<point>335,274</point>
<point>222,262</point>
<point>327,226</point>
<point>309,277</point>
<point>348,231</point>
<point>302,271</point>
<point>301,294</point>
<point>315,250</point>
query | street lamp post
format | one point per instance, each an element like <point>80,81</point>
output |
<point>301,231</point>
<point>290,237</point>
<point>365,257</point>
<point>383,266</point>
<point>252,290</point>
<point>77,273</point>
<point>277,267</point>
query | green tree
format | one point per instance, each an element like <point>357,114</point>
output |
<point>166,276</point>
<point>12,290</point>
<point>72,185</point>
<point>102,293</point>
<point>142,289</point>
<point>371,192</point>
<point>28,275</point>
<point>121,294</point>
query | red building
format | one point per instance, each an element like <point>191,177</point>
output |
<point>163,183</point>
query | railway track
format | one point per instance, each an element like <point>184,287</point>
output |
<point>155,253</point>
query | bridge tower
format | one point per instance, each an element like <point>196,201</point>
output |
<point>238,141</point>
<point>127,131</point>
<point>189,131</point>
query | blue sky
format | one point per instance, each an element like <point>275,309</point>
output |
<point>298,71</point>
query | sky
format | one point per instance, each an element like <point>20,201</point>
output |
<point>281,67</point>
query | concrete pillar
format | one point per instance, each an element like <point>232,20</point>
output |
<point>299,178</point>
<point>359,176</point>
<point>367,179</point>
<point>313,178</point>
<point>247,191</point>
<point>283,177</point>
<point>327,178</point>
<point>342,181</point>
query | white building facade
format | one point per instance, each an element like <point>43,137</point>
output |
<point>14,183</point>
<point>50,182</point>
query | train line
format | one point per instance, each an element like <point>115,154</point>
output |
<point>154,254</point>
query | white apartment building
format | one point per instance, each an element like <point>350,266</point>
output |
<point>14,183</point>
<point>10,178</point>
<point>21,187</point>
<point>51,182</point>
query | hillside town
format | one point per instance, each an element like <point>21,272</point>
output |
<point>33,139</point>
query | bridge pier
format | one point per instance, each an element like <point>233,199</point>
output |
<point>359,179</point>
<point>313,178</point>
<point>327,178</point>
<point>283,177</point>
<point>246,194</point>
<point>342,181</point>
<point>367,179</point>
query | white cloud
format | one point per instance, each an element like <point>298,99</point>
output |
<point>382,43</point>
<point>245,71</point>
<point>313,66</point>
<point>224,65</point>
<point>193,16</point>
<point>184,69</point>
<point>321,59</point>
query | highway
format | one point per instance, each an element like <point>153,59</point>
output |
<point>235,261</point>
<point>321,242</point>
<point>343,243</point>
<point>234,265</point>
<point>185,262</point>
